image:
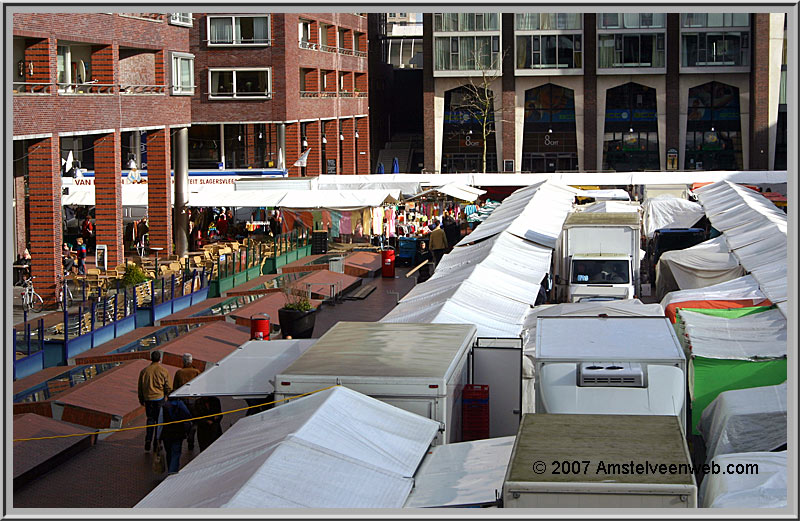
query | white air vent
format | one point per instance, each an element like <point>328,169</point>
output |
<point>610,374</point>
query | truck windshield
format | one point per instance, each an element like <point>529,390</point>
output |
<point>599,271</point>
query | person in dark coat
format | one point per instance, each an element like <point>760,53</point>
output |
<point>208,429</point>
<point>451,231</point>
<point>172,435</point>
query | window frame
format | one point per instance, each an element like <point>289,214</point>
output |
<point>545,70</point>
<point>454,53</point>
<point>233,95</point>
<point>660,37</point>
<point>176,89</point>
<point>233,18</point>
<point>176,19</point>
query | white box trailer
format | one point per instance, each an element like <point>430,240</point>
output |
<point>599,461</point>
<point>609,365</point>
<point>606,246</point>
<point>421,368</point>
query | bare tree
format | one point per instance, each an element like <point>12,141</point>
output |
<point>478,100</point>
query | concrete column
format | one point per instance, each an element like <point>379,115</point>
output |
<point>108,196</point>
<point>759,94</point>
<point>44,185</point>
<point>428,120</point>
<point>181,229</point>
<point>507,120</point>
<point>222,145</point>
<point>159,190</point>
<point>281,146</point>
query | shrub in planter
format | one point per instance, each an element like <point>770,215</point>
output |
<point>133,275</point>
<point>296,317</point>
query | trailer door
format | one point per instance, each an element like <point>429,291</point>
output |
<point>497,362</point>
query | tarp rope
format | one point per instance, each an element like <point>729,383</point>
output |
<point>106,431</point>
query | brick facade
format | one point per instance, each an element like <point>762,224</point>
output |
<point>759,93</point>
<point>362,146</point>
<point>20,212</point>
<point>428,120</point>
<point>292,148</point>
<point>108,197</point>
<point>314,139</point>
<point>348,147</point>
<point>332,146</point>
<point>159,190</point>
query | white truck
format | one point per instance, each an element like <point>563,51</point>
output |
<point>421,368</point>
<point>598,256</point>
<point>599,461</point>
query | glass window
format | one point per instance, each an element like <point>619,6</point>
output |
<point>181,19</point>
<point>182,73</point>
<point>238,30</point>
<point>239,83</point>
<point>445,22</point>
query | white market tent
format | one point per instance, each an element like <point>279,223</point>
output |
<point>247,372</point>
<point>608,194</point>
<point>334,449</point>
<point>461,474</point>
<point>743,288</point>
<point>454,190</point>
<point>745,420</point>
<point>611,207</point>
<point>761,335</point>
<point>765,489</point>
<point>704,264</point>
<point>668,211</point>
<point>343,200</point>
<point>755,230</point>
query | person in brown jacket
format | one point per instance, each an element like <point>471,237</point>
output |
<point>437,242</point>
<point>181,377</point>
<point>153,391</point>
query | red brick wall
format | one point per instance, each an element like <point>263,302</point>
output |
<point>40,408</point>
<point>159,187</point>
<point>589,93</point>
<point>103,59</point>
<point>314,139</point>
<point>44,182</point>
<point>86,417</point>
<point>138,68</point>
<point>292,148</point>
<point>348,147</point>
<point>19,209</point>
<point>332,146</point>
<point>508,96</point>
<point>427,93</point>
<point>759,94</point>
<point>108,196</point>
<point>362,153</point>
<point>39,54</point>
<point>361,82</point>
<point>250,144</point>
<point>311,80</point>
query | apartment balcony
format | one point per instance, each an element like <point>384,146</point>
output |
<point>127,89</point>
<point>24,87</point>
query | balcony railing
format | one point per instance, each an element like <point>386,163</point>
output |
<point>346,94</point>
<point>239,95</point>
<point>360,54</point>
<point>348,52</point>
<point>309,94</point>
<point>86,88</point>
<point>328,94</point>
<point>142,89</point>
<point>328,48</point>
<point>308,45</point>
<point>23,87</point>
<point>361,94</point>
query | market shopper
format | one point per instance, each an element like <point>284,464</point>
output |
<point>208,429</point>
<point>183,375</point>
<point>153,390</point>
<point>451,230</point>
<point>172,435</point>
<point>438,242</point>
<point>81,247</point>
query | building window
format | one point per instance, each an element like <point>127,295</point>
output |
<point>304,34</point>
<point>457,22</point>
<point>239,83</point>
<point>631,21</point>
<point>467,53</point>
<point>713,128</point>
<point>462,139</point>
<point>182,73</point>
<point>630,142</point>
<point>238,30</point>
<point>181,19</point>
<point>548,21</point>
<point>550,51</point>
<point>631,50</point>
<point>549,139</point>
<point>715,40</point>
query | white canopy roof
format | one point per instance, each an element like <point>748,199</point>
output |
<point>461,474</point>
<point>455,190</point>
<point>611,207</point>
<point>248,371</point>
<point>334,449</point>
<point>743,288</point>
<point>760,335</point>
<point>745,420</point>
<point>755,230</point>
<point>668,211</point>
<point>237,198</point>
<point>83,195</point>
<point>608,194</point>
<point>343,200</point>
<point>704,264</point>
<point>765,489</point>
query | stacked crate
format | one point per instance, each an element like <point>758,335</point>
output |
<point>475,412</point>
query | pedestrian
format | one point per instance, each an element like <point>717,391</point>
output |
<point>66,258</point>
<point>438,242</point>
<point>172,435</point>
<point>87,231</point>
<point>451,231</point>
<point>184,375</point>
<point>153,390</point>
<point>81,247</point>
<point>208,429</point>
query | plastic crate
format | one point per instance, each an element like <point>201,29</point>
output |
<point>475,412</point>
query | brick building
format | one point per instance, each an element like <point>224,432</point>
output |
<point>606,91</point>
<point>236,91</point>
<point>269,86</point>
<point>90,87</point>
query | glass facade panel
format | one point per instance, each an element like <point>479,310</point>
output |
<point>631,129</point>
<point>713,128</point>
<point>462,139</point>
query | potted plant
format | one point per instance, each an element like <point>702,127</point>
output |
<point>296,317</point>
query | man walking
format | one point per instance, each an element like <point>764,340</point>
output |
<point>181,377</point>
<point>172,435</point>
<point>153,390</point>
<point>438,242</point>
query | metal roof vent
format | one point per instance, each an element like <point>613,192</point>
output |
<point>610,374</point>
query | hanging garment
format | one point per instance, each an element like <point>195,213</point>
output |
<point>346,224</point>
<point>336,222</point>
<point>377,221</point>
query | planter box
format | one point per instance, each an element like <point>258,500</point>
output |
<point>297,324</point>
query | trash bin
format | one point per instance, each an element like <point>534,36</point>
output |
<point>259,326</point>
<point>387,263</point>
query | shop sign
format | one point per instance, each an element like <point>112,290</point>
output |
<point>672,159</point>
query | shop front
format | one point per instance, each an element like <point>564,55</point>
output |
<point>630,140</point>
<point>549,142</point>
<point>713,128</point>
<point>462,136</point>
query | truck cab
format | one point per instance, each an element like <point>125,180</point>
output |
<point>601,275</point>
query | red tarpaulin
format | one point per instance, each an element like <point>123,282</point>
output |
<point>673,308</point>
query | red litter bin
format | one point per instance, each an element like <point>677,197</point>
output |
<point>259,326</point>
<point>387,263</point>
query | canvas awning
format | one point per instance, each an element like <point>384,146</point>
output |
<point>611,207</point>
<point>751,337</point>
<point>342,200</point>
<point>454,190</point>
<point>745,420</point>
<point>333,449</point>
<point>766,488</point>
<point>743,289</point>
<point>704,264</point>
<point>668,211</point>
<point>464,474</point>
<point>609,194</point>
<point>247,372</point>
